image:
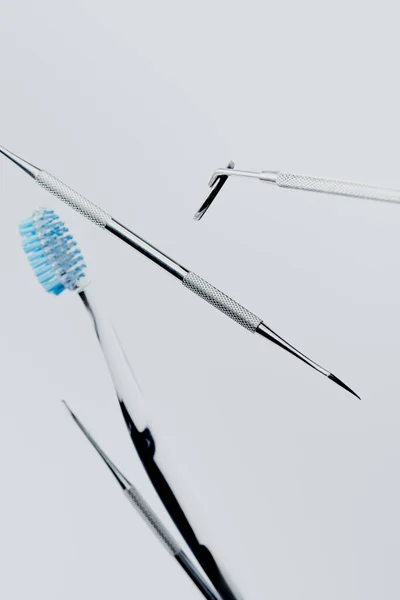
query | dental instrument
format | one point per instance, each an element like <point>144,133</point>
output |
<point>190,280</point>
<point>298,182</point>
<point>149,516</point>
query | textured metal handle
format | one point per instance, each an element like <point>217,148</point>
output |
<point>152,520</point>
<point>224,303</point>
<point>341,188</point>
<point>94,213</point>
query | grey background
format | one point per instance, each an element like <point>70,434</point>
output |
<point>293,482</point>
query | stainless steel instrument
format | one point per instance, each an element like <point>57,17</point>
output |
<point>152,520</point>
<point>190,280</point>
<point>298,182</point>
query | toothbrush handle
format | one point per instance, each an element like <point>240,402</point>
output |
<point>219,300</point>
<point>146,448</point>
<point>129,392</point>
<point>125,383</point>
<point>340,188</point>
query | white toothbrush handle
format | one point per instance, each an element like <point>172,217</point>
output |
<point>340,188</point>
<point>122,374</point>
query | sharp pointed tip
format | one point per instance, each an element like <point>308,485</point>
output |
<point>122,480</point>
<point>216,183</point>
<point>66,405</point>
<point>72,414</point>
<point>343,385</point>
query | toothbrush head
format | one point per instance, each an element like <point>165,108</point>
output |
<point>52,252</point>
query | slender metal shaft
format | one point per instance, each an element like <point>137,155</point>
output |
<point>299,182</point>
<point>267,176</point>
<point>195,576</point>
<point>20,162</point>
<point>97,215</point>
<point>122,480</point>
<point>139,244</point>
<point>149,516</point>
<point>266,332</point>
<point>190,280</point>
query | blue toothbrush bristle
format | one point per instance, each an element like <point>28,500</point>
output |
<point>52,252</point>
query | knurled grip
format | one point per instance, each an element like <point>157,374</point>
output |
<point>94,213</point>
<point>341,188</point>
<point>151,519</point>
<point>224,303</point>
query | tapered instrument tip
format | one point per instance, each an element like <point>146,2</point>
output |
<point>217,182</point>
<point>122,480</point>
<point>343,385</point>
<point>20,162</point>
<point>73,415</point>
<point>67,407</point>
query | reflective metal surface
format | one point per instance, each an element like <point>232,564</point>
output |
<point>23,164</point>
<point>158,257</point>
<point>268,176</point>
<point>219,184</point>
<point>266,332</point>
<point>150,517</point>
<point>299,182</point>
<point>205,290</point>
<point>122,480</point>
<point>220,177</point>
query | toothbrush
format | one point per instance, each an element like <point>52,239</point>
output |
<point>190,280</point>
<point>298,182</point>
<point>149,516</point>
<point>59,265</point>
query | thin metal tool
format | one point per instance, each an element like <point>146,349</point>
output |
<point>298,182</point>
<point>149,516</point>
<point>190,280</point>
